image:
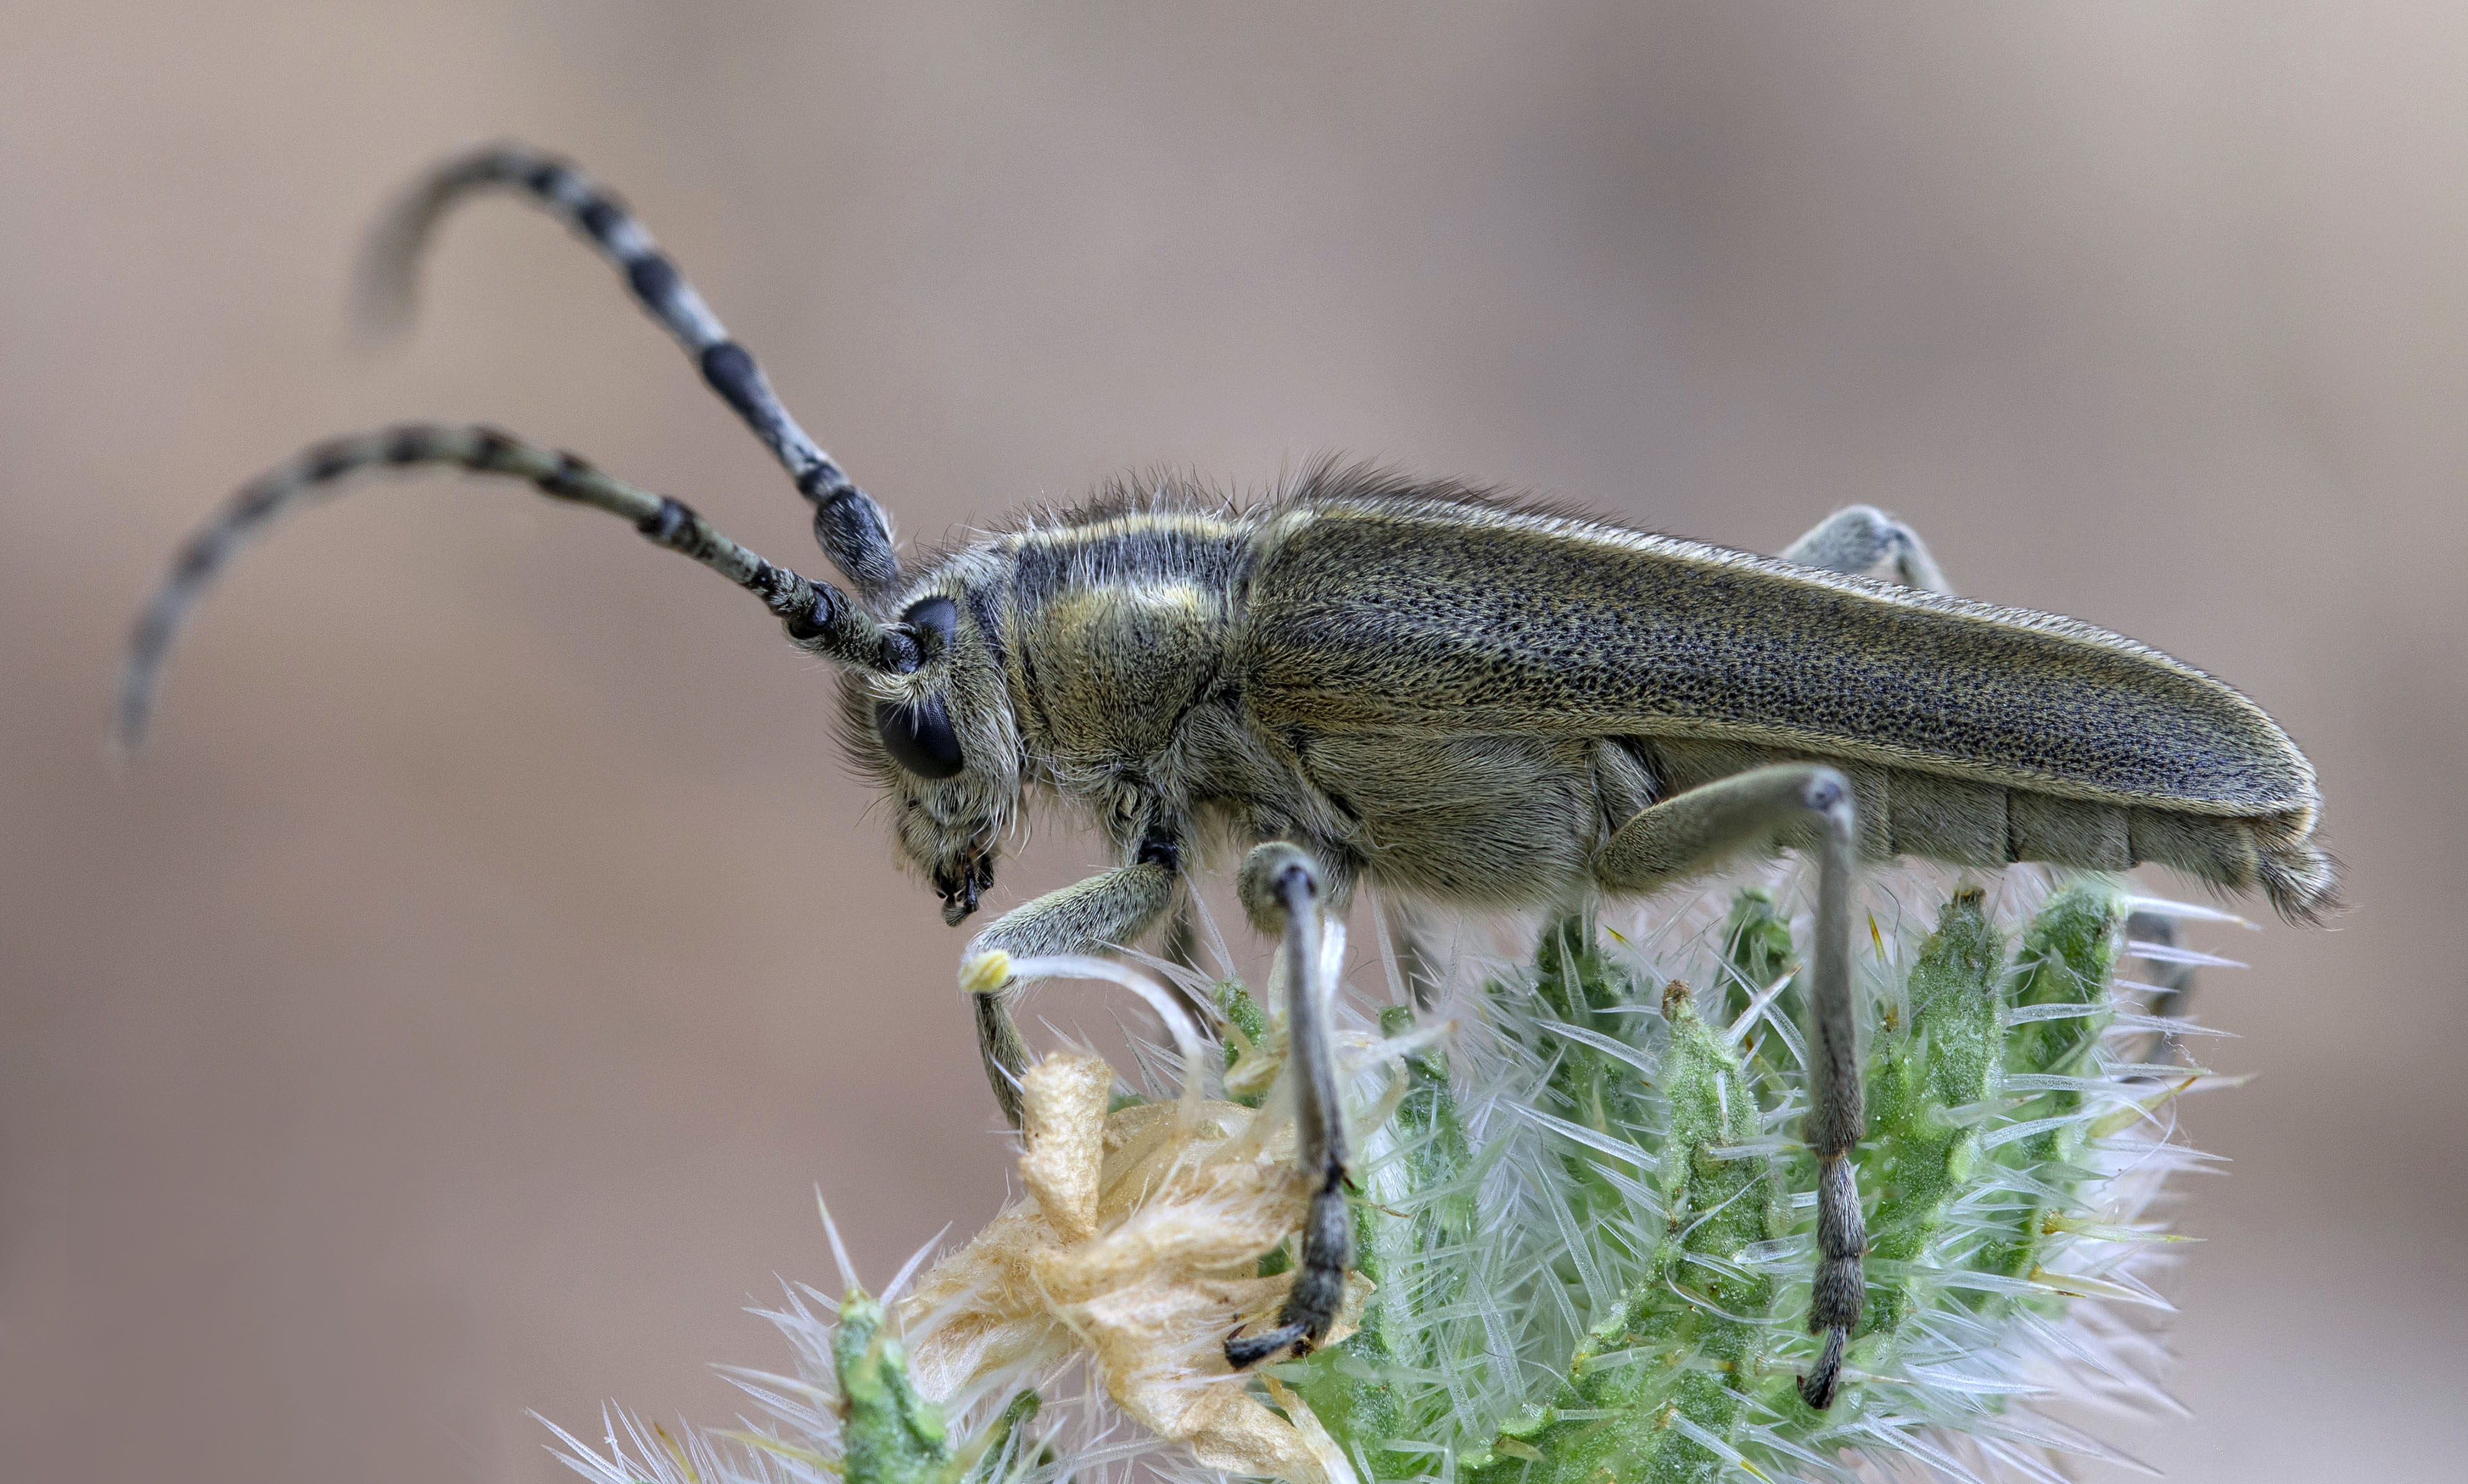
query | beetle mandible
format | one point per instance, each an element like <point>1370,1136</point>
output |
<point>1370,678</point>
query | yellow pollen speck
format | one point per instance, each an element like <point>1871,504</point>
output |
<point>986,973</point>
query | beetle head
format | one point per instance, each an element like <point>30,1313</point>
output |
<point>941,743</point>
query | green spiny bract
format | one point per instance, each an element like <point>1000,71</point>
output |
<point>1647,1214</point>
<point>854,1415</point>
<point>891,1435</point>
<point>1588,1221</point>
<point>888,1432</point>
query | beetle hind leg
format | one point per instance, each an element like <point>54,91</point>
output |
<point>1864,541</point>
<point>1282,890</point>
<point>1701,829</point>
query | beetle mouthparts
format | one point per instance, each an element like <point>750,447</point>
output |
<point>959,888</point>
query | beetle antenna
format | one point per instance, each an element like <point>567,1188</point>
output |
<point>817,616</point>
<point>853,529</point>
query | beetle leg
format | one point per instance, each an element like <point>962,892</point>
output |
<point>1426,974</point>
<point>1701,828</point>
<point>1099,915</point>
<point>1181,946</point>
<point>1282,889</point>
<point>1864,541</point>
<point>2174,981</point>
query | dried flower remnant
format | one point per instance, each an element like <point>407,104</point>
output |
<point>1139,1244</point>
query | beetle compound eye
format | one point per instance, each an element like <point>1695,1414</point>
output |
<point>935,616</point>
<point>920,736</point>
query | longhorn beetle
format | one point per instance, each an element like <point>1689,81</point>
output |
<point>1458,697</point>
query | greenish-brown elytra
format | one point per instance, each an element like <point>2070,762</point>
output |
<point>1460,698</point>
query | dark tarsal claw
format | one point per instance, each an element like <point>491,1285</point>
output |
<point>1243,1352</point>
<point>1816,1387</point>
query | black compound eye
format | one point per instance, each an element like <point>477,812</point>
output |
<point>920,736</point>
<point>935,616</point>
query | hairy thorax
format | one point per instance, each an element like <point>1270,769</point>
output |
<point>1104,674</point>
<point>1133,696</point>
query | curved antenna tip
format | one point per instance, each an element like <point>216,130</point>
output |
<point>132,717</point>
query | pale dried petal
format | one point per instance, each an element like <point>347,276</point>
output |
<point>1061,1124</point>
<point>1138,1247</point>
<point>1332,1458</point>
<point>979,1310</point>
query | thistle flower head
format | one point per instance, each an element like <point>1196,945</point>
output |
<point>1584,1228</point>
<point>1136,1250</point>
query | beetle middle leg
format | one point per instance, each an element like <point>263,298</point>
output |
<point>1282,890</point>
<point>1417,961</point>
<point>1096,916</point>
<point>1703,827</point>
<point>1182,945</point>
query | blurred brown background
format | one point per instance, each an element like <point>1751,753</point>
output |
<point>454,1010</point>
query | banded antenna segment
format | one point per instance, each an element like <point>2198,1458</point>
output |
<point>817,616</point>
<point>852,528</point>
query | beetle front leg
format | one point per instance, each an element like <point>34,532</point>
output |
<point>1099,915</point>
<point>1701,829</point>
<point>1282,889</point>
<point>1864,541</point>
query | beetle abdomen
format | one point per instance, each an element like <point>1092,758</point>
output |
<point>1960,821</point>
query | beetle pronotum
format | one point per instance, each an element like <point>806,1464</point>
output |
<point>1417,684</point>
